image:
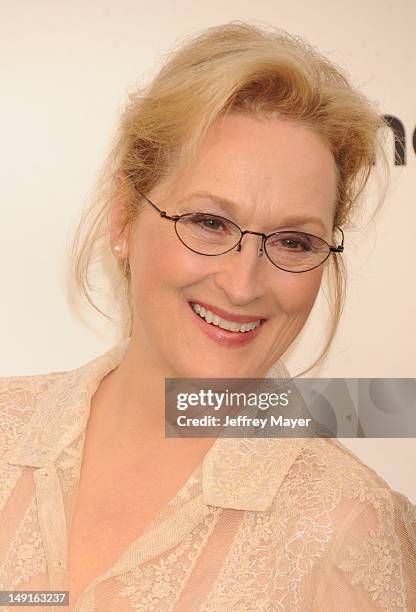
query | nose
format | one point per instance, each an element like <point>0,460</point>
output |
<point>241,274</point>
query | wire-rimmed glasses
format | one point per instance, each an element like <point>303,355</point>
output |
<point>211,235</point>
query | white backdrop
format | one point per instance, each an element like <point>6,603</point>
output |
<point>66,72</point>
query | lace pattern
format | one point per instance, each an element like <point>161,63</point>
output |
<point>158,586</point>
<point>309,516</point>
<point>274,551</point>
<point>26,557</point>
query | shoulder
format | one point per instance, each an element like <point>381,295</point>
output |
<point>27,382</point>
<point>19,398</point>
<point>340,482</point>
<point>355,504</point>
<point>370,529</point>
<point>328,461</point>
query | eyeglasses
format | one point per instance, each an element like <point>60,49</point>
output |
<point>211,235</point>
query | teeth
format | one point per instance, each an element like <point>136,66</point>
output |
<point>209,317</point>
<point>214,319</point>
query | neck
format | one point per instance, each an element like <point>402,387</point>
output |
<point>128,409</point>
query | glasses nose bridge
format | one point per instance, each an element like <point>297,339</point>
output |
<point>263,238</point>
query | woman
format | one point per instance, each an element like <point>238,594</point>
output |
<point>255,127</point>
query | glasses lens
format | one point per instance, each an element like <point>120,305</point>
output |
<point>207,234</point>
<point>296,251</point>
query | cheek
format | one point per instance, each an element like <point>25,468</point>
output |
<point>298,292</point>
<point>161,266</point>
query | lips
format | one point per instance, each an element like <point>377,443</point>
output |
<point>229,316</point>
<point>223,337</point>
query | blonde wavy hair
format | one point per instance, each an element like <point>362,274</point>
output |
<point>237,67</point>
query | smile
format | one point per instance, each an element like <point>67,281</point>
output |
<point>214,319</point>
<point>226,332</point>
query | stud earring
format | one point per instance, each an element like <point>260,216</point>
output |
<point>117,249</point>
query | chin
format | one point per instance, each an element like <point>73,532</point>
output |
<point>219,368</point>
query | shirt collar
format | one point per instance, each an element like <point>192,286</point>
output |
<point>238,473</point>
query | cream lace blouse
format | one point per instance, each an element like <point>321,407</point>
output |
<point>287,524</point>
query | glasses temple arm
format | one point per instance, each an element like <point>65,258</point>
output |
<point>339,249</point>
<point>162,213</point>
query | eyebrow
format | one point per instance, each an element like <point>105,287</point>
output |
<point>231,207</point>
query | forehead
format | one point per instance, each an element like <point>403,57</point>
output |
<point>265,166</point>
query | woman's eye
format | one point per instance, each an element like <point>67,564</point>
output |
<point>210,223</point>
<point>293,244</point>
